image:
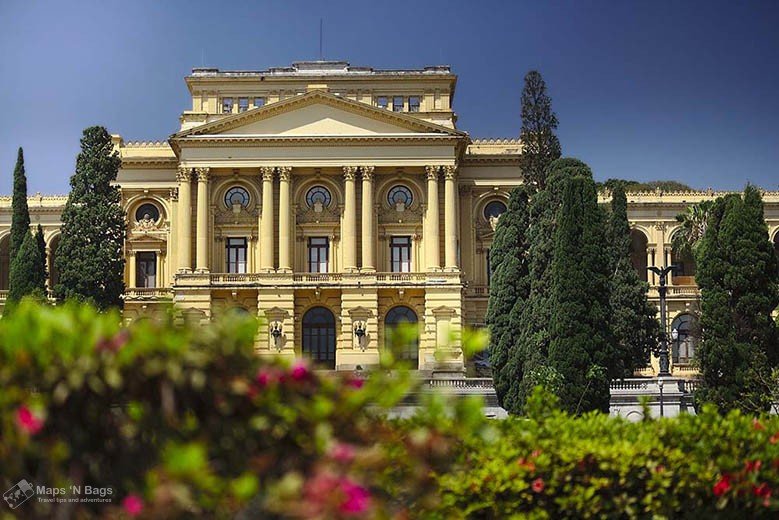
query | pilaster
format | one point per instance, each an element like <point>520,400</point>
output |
<point>349,225</point>
<point>203,241</point>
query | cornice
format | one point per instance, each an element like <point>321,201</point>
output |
<point>149,162</point>
<point>388,140</point>
<point>487,159</point>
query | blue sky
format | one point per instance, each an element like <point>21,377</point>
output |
<point>643,90</point>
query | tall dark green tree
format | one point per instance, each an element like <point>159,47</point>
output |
<point>509,288</point>
<point>28,271</point>
<point>737,275</point>
<point>633,319</point>
<point>89,258</point>
<point>540,145</point>
<point>20,219</point>
<point>581,349</point>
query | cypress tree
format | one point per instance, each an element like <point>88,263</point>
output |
<point>540,145</point>
<point>531,347</point>
<point>20,220</point>
<point>90,259</point>
<point>28,271</point>
<point>581,348</point>
<point>738,279</point>
<point>509,288</point>
<point>633,318</point>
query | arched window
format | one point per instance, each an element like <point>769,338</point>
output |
<point>400,195</point>
<point>318,194</point>
<point>319,337</point>
<point>683,339</point>
<point>147,211</point>
<point>494,209</point>
<point>237,195</point>
<point>638,246</point>
<point>403,340</point>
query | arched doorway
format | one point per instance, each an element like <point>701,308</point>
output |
<point>683,339</point>
<point>319,337</point>
<point>685,266</point>
<point>404,341</point>
<point>638,246</point>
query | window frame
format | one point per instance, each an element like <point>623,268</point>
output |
<point>382,102</point>
<point>262,101</point>
<point>315,251</point>
<point>235,263</point>
<point>227,101</point>
<point>243,104</point>
<point>395,107</point>
<point>400,254</point>
<point>143,279</point>
<point>414,106</point>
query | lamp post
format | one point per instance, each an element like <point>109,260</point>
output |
<point>662,273</point>
<point>675,337</point>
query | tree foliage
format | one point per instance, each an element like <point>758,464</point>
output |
<point>649,186</point>
<point>633,318</point>
<point>28,270</point>
<point>90,259</point>
<point>693,222</point>
<point>509,288</point>
<point>540,145</point>
<point>737,275</point>
<point>581,347</point>
<point>20,219</point>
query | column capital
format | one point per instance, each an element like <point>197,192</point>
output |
<point>367,172</point>
<point>183,174</point>
<point>285,172</point>
<point>267,172</point>
<point>174,194</point>
<point>349,172</point>
<point>203,174</point>
<point>450,172</point>
<point>431,172</point>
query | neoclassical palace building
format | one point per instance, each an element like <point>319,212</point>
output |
<point>336,202</point>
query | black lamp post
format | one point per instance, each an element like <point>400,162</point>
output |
<point>662,273</point>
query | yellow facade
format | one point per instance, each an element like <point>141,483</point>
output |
<point>329,199</point>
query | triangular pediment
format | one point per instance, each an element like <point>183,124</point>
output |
<point>318,113</point>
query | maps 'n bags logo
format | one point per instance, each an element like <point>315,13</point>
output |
<point>19,494</point>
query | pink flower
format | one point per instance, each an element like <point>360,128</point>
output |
<point>757,425</point>
<point>133,505</point>
<point>342,452</point>
<point>265,377</point>
<point>774,438</point>
<point>299,371</point>
<point>762,490</point>
<point>753,465</point>
<point>722,486</point>
<point>357,500</point>
<point>27,421</point>
<point>538,485</point>
<point>115,343</point>
<point>355,382</point>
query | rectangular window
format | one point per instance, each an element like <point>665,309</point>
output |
<point>227,105</point>
<point>259,102</point>
<point>318,251</point>
<point>413,104</point>
<point>146,269</point>
<point>236,255</point>
<point>381,102</point>
<point>243,104</point>
<point>400,253</point>
<point>397,104</point>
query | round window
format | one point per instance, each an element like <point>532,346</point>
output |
<point>494,209</point>
<point>400,195</point>
<point>147,211</point>
<point>318,194</point>
<point>237,195</point>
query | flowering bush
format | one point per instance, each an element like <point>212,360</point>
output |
<point>184,420</point>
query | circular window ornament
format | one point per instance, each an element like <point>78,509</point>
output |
<point>318,198</point>
<point>492,212</point>
<point>237,197</point>
<point>147,212</point>
<point>400,197</point>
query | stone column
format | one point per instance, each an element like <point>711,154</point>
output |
<point>650,261</point>
<point>368,246</point>
<point>431,225</point>
<point>202,219</point>
<point>266,220</point>
<point>349,232</point>
<point>285,265</point>
<point>184,250</point>
<point>450,218</point>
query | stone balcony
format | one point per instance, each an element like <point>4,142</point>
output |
<point>318,280</point>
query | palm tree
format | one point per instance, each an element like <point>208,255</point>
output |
<point>693,226</point>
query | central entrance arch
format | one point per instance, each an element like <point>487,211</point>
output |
<point>319,337</point>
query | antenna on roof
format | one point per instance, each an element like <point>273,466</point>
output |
<point>321,58</point>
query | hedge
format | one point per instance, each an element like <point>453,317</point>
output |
<point>181,421</point>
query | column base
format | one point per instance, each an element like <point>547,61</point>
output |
<point>202,270</point>
<point>183,270</point>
